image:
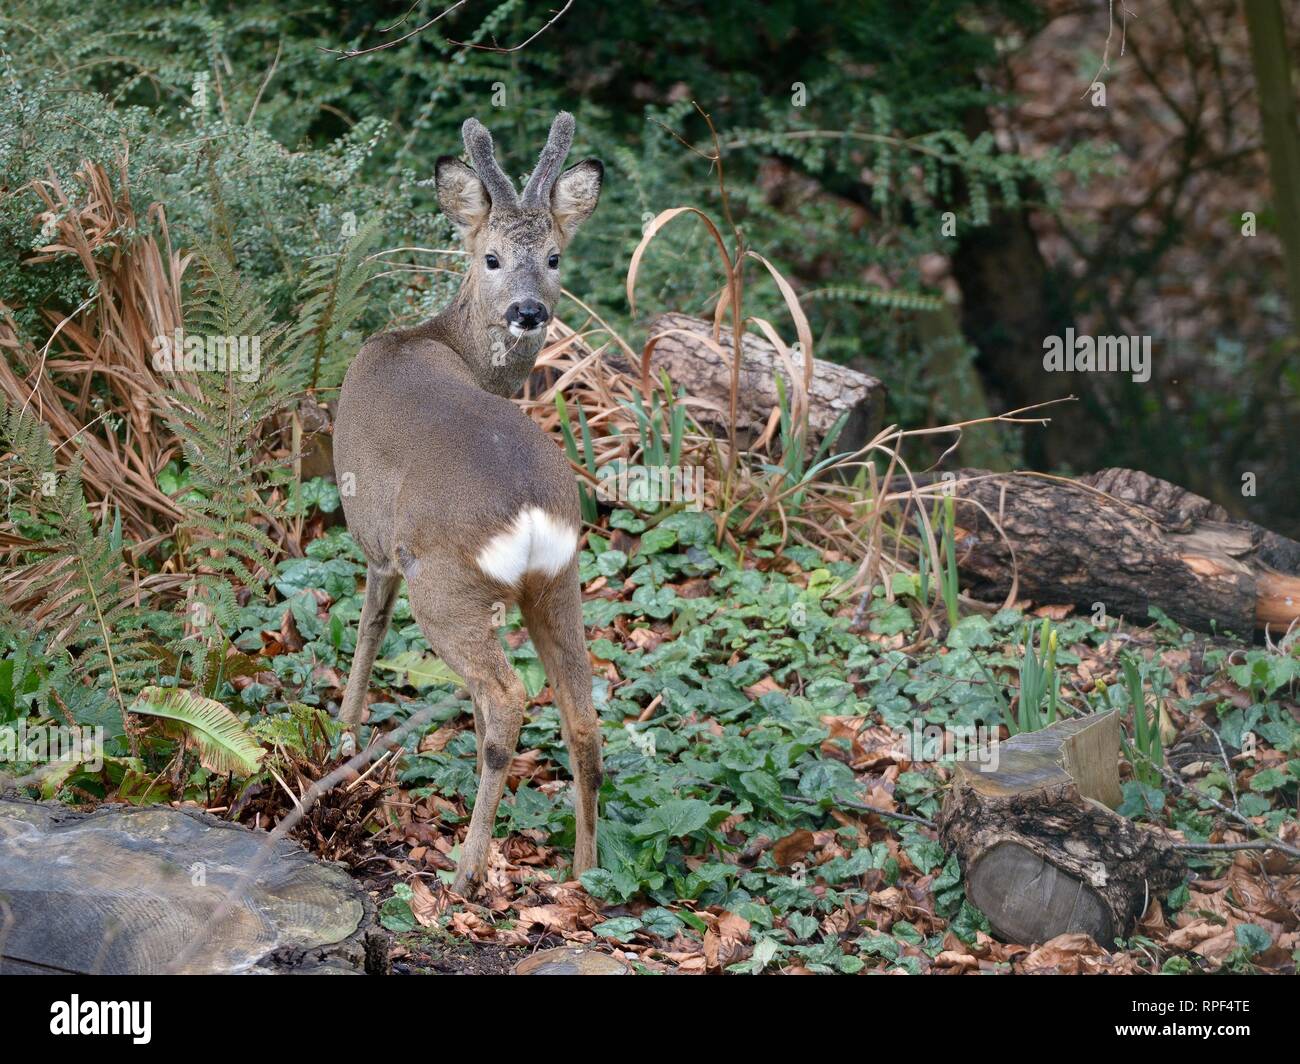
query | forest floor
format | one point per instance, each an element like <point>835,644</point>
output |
<point>745,727</point>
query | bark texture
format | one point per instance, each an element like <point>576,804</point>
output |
<point>1128,541</point>
<point>1042,852</point>
<point>690,361</point>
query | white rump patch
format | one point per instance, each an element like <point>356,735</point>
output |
<point>536,542</point>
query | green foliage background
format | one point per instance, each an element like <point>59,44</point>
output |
<point>258,139</point>
<point>847,134</point>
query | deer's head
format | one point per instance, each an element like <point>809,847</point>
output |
<point>515,242</point>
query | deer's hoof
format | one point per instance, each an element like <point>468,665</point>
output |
<point>470,877</point>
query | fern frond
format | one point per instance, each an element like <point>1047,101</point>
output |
<point>333,301</point>
<point>222,742</point>
<point>217,411</point>
<point>78,588</point>
<point>878,297</point>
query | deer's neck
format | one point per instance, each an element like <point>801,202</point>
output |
<point>499,362</point>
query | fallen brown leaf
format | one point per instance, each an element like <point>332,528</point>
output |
<point>794,847</point>
<point>1064,954</point>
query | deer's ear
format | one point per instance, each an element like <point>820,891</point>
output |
<point>461,194</point>
<point>575,194</point>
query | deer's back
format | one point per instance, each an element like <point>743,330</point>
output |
<point>436,463</point>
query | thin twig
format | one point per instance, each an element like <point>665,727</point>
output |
<point>378,761</point>
<point>344,53</point>
<point>1227,847</point>
<point>265,82</point>
<point>522,44</point>
<point>1110,33</point>
<point>864,807</point>
<point>349,53</point>
<point>1228,771</point>
<point>1274,842</point>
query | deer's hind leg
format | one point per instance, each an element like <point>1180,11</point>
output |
<point>554,619</point>
<point>457,622</point>
<point>376,613</point>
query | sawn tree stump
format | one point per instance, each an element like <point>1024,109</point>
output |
<point>125,890</point>
<point>1042,851</point>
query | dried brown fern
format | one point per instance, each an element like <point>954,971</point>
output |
<point>93,382</point>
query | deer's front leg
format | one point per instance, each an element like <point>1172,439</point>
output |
<point>376,612</point>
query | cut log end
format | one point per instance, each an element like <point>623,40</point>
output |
<point>128,890</point>
<point>1026,898</point>
<point>1277,603</point>
<point>571,960</point>
<point>1042,851</point>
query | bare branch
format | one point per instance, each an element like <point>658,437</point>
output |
<point>1110,33</point>
<point>864,808</point>
<point>1229,847</point>
<point>523,44</point>
<point>350,53</point>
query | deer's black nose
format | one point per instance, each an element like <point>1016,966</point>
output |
<point>527,314</point>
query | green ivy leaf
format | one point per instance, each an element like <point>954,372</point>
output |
<point>621,928</point>
<point>1253,938</point>
<point>611,563</point>
<point>661,922</point>
<point>675,818</point>
<point>658,539</point>
<point>802,925</point>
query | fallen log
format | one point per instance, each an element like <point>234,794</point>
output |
<point>1042,852</point>
<point>1123,540</point>
<point>684,351</point>
<point>125,890</point>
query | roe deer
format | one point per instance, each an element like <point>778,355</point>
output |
<point>448,483</point>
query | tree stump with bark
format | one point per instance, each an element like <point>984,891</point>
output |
<point>127,890</point>
<point>1042,851</point>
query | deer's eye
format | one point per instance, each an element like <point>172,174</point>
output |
<point>553,262</point>
<point>493,263</point>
